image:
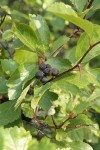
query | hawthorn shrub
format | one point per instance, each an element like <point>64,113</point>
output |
<point>49,91</point>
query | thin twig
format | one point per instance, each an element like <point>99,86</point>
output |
<point>90,4</point>
<point>79,62</point>
<point>71,116</point>
<point>54,122</point>
<point>2,20</point>
<point>60,48</point>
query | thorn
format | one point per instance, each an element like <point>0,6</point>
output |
<point>80,70</point>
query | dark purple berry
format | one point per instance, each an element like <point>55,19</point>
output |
<point>47,71</point>
<point>48,66</point>
<point>42,66</point>
<point>44,80</point>
<point>39,74</point>
<point>54,72</point>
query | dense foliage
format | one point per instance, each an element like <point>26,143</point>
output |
<point>49,75</point>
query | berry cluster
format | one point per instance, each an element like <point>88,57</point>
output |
<point>44,71</point>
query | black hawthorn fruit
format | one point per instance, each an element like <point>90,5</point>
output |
<point>54,72</point>
<point>42,66</point>
<point>44,80</point>
<point>39,74</point>
<point>47,71</point>
<point>48,66</point>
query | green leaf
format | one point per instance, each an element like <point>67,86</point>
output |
<point>67,13</point>
<point>57,45</point>
<point>26,35</point>
<point>3,87</point>
<point>8,66</point>
<point>95,6</point>
<point>88,76</point>
<point>22,97</point>
<point>81,47</point>
<point>80,119</point>
<point>96,105</point>
<point>24,73</point>
<point>41,30</point>
<point>83,105</point>
<point>22,56</point>
<point>27,110</point>
<point>16,138</point>
<point>30,2</point>
<point>1,138</point>
<point>45,143</point>
<point>84,133</point>
<point>63,85</point>
<point>65,92</point>
<point>80,5</point>
<point>8,113</point>
<point>7,35</point>
<point>46,100</point>
<point>79,146</point>
<point>86,103</point>
<point>38,92</point>
<point>59,63</point>
<point>84,38</point>
<point>93,53</point>
<point>94,95</point>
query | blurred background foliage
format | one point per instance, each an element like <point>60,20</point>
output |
<point>20,10</point>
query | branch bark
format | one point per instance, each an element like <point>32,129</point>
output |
<point>78,63</point>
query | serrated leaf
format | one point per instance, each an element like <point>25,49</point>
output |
<point>63,85</point>
<point>7,35</point>
<point>96,105</point>
<point>87,133</point>
<point>88,76</point>
<point>27,110</point>
<point>24,73</point>
<point>8,66</point>
<point>22,97</point>
<point>80,5</point>
<point>26,35</point>
<point>80,119</point>
<point>44,144</point>
<point>95,6</point>
<point>16,138</point>
<point>41,30</point>
<point>79,146</point>
<point>92,54</point>
<point>84,38</point>
<point>3,87</point>
<point>38,92</point>
<point>67,13</point>
<point>46,100</point>
<point>87,102</point>
<point>22,56</point>
<point>1,138</point>
<point>59,63</point>
<point>81,47</point>
<point>8,113</point>
<point>94,95</point>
